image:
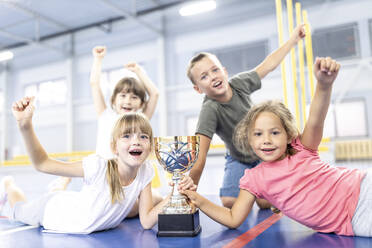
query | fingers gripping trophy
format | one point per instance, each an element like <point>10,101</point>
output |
<point>177,154</point>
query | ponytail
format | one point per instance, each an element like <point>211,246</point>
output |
<point>112,175</point>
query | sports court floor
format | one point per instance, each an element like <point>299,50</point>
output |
<point>262,228</point>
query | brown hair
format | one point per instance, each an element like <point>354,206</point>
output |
<point>242,133</point>
<point>198,58</point>
<point>129,84</point>
<point>128,123</point>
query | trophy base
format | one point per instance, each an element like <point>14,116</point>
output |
<point>178,225</point>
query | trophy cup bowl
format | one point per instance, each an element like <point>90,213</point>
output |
<point>177,155</point>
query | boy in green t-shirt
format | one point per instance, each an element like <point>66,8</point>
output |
<point>225,103</point>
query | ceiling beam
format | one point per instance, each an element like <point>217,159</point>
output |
<point>130,16</point>
<point>34,14</point>
<point>27,40</point>
<point>37,16</point>
<point>93,25</point>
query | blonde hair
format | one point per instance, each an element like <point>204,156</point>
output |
<point>129,85</point>
<point>197,58</point>
<point>127,123</point>
<point>243,130</point>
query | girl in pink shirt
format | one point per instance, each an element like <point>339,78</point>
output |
<point>292,177</point>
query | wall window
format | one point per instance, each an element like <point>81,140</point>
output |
<point>109,78</point>
<point>347,126</point>
<point>242,57</point>
<point>337,42</point>
<point>329,130</point>
<point>47,93</point>
<point>339,124</point>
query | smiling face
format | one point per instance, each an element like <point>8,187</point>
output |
<point>129,95</point>
<point>268,138</point>
<point>210,78</point>
<point>132,140</point>
<point>126,102</point>
<point>133,148</point>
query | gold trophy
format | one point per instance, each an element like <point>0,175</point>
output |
<point>177,154</point>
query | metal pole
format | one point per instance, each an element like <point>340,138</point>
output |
<point>279,20</point>
<point>69,103</point>
<point>3,126</point>
<point>162,84</point>
<point>293,63</point>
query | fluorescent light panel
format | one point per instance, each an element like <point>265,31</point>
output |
<point>197,7</point>
<point>6,55</point>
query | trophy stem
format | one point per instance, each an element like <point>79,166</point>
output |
<point>177,203</point>
<point>176,177</point>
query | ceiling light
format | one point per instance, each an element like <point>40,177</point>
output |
<point>197,7</point>
<point>6,55</point>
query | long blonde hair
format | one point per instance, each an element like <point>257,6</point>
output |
<point>127,123</point>
<point>243,130</point>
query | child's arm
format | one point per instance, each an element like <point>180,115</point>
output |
<point>325,70</point>
<point>231,218</point>
<point>148,213</point>
<point>274,59</point>
<point>150,87</point>
<point>197,170</point>
<point>95,79</point>
<point>23,111</point>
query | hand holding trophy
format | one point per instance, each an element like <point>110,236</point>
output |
<point>177,154</point>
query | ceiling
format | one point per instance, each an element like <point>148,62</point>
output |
<point>55,28</point>
<point>24,22</point>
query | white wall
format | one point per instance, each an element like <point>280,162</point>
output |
<point>182,100</point>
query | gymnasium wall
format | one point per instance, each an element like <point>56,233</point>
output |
<point>183,39</point>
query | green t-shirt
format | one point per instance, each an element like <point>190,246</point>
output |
<point>221,118</point>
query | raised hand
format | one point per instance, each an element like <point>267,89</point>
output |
<point>23,109</point>
<point>326,70</point>
<point>99,52</point>
<point>299,32</point>
<point>133,67</point>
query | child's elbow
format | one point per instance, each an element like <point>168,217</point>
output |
<point>233,225</point>
<point>39,168</point>
<point>42,165</point>
<point>145,225</point>
<point>155,94</point>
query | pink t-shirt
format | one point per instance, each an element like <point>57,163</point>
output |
<point>308,190</point>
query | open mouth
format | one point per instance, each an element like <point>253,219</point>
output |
<point>268,150</point>
<point>126,109</point>
<point>217,84</point>
<point>135,152</point>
